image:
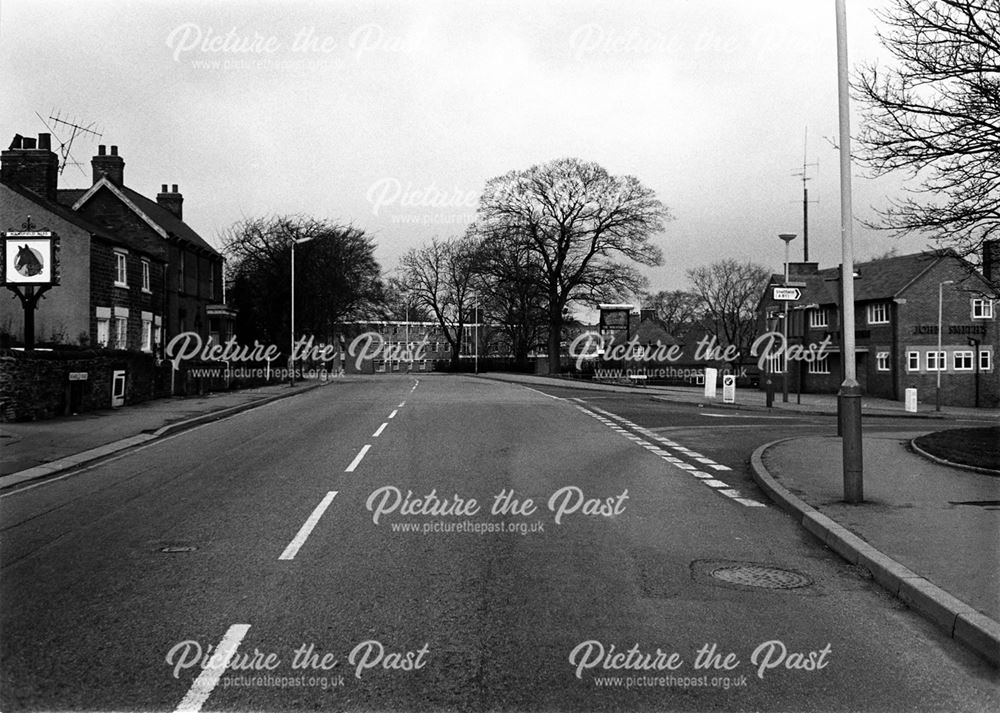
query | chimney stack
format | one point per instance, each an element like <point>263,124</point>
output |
<point>171,200</point>
<point>31,165</point>
<point>112,166</point>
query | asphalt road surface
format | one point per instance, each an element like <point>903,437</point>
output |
<point>454,544</point>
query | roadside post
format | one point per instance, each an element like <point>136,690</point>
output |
<point>728,388</point>
<point>711,376</point>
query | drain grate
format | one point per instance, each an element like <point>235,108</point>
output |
<point>175,549</point>
<point>753,575</point>
<point>748,575</point>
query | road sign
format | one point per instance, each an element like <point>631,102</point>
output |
<point>787,294</point>
<point>728,389</point>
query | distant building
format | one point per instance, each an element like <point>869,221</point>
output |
<point>896,327</point>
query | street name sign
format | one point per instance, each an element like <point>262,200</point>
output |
<point>787,294</point>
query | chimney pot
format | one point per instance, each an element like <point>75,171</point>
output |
<point>174,189</point>
<point>101,150</point>
<point>163,188</point>
<point>31,164</point>
<point>114,150</point>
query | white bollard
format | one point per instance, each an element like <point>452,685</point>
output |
<point>710,378</point>
<point>911,400</point>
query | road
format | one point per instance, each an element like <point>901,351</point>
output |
<point>342,550</point>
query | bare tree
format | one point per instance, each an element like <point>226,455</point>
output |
<point>679,310</point>
<point>936,117</point>
<point>729,291</point>
<point>576,219</point>
<point>336,275</point>
<point>441,279</point>
<point>510,282</point>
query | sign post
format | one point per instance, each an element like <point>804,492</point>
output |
<point>729,388</point>
<point>30,268</point>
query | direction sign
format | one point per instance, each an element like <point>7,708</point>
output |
<point>787,294</point>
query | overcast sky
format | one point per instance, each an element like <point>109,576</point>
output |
<point>392,115</point>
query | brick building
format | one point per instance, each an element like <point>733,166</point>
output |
<point>111,292</point>
<point>134,274</point>
<point>896,327</point>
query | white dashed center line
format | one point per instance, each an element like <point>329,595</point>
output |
<point>379,431</point>
<point>307,527</point>
<point>393,414</point>
<point>209,677</point>
<point>357,459</point>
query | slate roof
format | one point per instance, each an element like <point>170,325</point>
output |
<point>881,279</point>
<point>170,223</point>
<point>71,216</point>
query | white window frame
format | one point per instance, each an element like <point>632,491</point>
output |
<point>121,268</point>
<point>820,366</point>
<point>145,276</point>
<point>876,310</point>
<point>982,308</point>
<point>819,318</point>
<point>963,356</point>
<point>121,331</point>
<point>937,360</point>
<point>882,361</point>
<point>985,360</point>
<point>103,331</point>
<point>913,360</point>
<point>147,332</point>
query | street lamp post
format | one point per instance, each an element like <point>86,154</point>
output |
<point>788,238</point>
<point>291,353</point>
<point>850,390</point>
<point>476,338</point>
<point>939,357</point>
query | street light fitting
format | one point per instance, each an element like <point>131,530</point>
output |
<point>787,237</point>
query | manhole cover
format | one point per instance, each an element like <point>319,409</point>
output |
<point>174,549</point>
<point>747,575</point>
<point>754,575</point>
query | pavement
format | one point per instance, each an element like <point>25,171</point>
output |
<point>927,532</point>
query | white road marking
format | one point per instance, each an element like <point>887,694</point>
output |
<point>307,527</point>
<point>718,485</point>
<point>733,415</point>
<point>402,404</point>
<point>557,398</point>
<point>357,458</point>
<point>209,677</point>
<point>393,414</point>
<point>380,429</point>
